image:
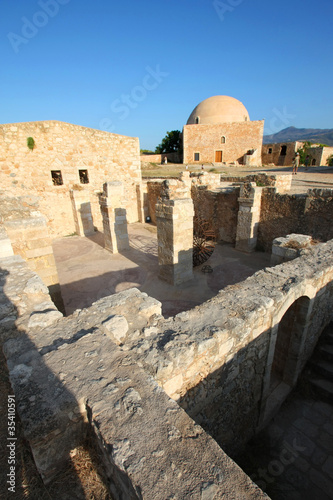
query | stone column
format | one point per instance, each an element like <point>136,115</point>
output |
<point>114,217</point>
<point>6,249</point>
<point>248,217</point>
<point>174,220</point>
<point>84,225</point>
<point>140,201</point>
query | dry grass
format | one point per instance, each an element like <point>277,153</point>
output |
<point>81,477</point>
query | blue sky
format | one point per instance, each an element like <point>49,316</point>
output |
<point>139,67</point>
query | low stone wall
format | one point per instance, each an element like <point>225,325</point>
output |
<point>216,360</point>
<point>282,183</point>
<point>303,214</point>
<point>69,373</point>
<point>159,158</point>
<point>289,248</point>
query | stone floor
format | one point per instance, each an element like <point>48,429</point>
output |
<point>88,272</point>
<point>292,458</point>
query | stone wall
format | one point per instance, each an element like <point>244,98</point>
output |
<point>216,360</point>
<point>207,139</point>
<point>304,214</point>
<point>86,159</point>
<point>275,155</point>
<point>319,155</point>
<point>282,183</point>
<point>220,207</point>
<point>69,373</point>
<point>159,158</point>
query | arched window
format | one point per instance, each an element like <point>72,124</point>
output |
<point>197,120</point>
<point>270,151</point>
<point>223,139</point>
<point>283,150</point>
<point>313,162</point>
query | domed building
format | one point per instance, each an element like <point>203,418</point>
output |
<point>219,130</point>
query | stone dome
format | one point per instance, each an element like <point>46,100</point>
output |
<point>219,109</point>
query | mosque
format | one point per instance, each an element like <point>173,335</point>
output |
<point>219,130</point>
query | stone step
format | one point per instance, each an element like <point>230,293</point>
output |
<point>325,368</point>
<point>326,352</point>
<point>323,387</point>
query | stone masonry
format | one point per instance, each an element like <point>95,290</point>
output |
<point>69,373</point>
<point>114,217</point>
<point>64,157</point>
<point>205,139</point>
<point>82,213</point>
<point>175,240</point>
<point>289,248</point>
<point>248,217</point>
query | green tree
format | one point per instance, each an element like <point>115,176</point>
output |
<point>171,143</point>
<point>329,161</point>
<point>303,151</point>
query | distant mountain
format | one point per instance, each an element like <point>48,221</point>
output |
<point>291,134</point>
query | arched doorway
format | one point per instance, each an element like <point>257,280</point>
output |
<point>288,343</point>
<point>284,362</point>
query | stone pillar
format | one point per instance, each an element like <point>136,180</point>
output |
<point>248,217</point>
<point>82,213</point>
<point>140,201</point>
<point>114,217</point>
<point>31,240</point>
<point>6,249</point>
<point>174,220</point>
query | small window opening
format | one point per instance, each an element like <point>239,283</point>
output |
<point>84,179</point>
<point>57,177</point>
<point>270,151</point>
<point>197,120</point>
<point>283,150</point>
<point>313,162</point>
<point>223,139</point>
<point>196,156</point>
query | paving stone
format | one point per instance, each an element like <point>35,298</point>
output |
<point>319,457</point>
<point>300,443</point>
<point>307,427</point>
<point>301,464</point>
<point>322,481</point>
<point>324,408</point>
<point>316,417</point>
<point>326,441</point>
<point>328,467</point>
<point>328,427</point>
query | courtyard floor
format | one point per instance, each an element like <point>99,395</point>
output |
<point>88,272</point>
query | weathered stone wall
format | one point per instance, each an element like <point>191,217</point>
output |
<point>220,207</point>
<point>276,157</point>
<point>68,373</point>
<point>304,214</point>
<point>282,183</point>
<point>206,140</point>
<point>216,359</point>
<point>152,193</point>
<point>67,148</point>
<point>159,158</point>
<point>318,155</point>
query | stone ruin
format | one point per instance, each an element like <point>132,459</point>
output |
<point>167,398</point>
